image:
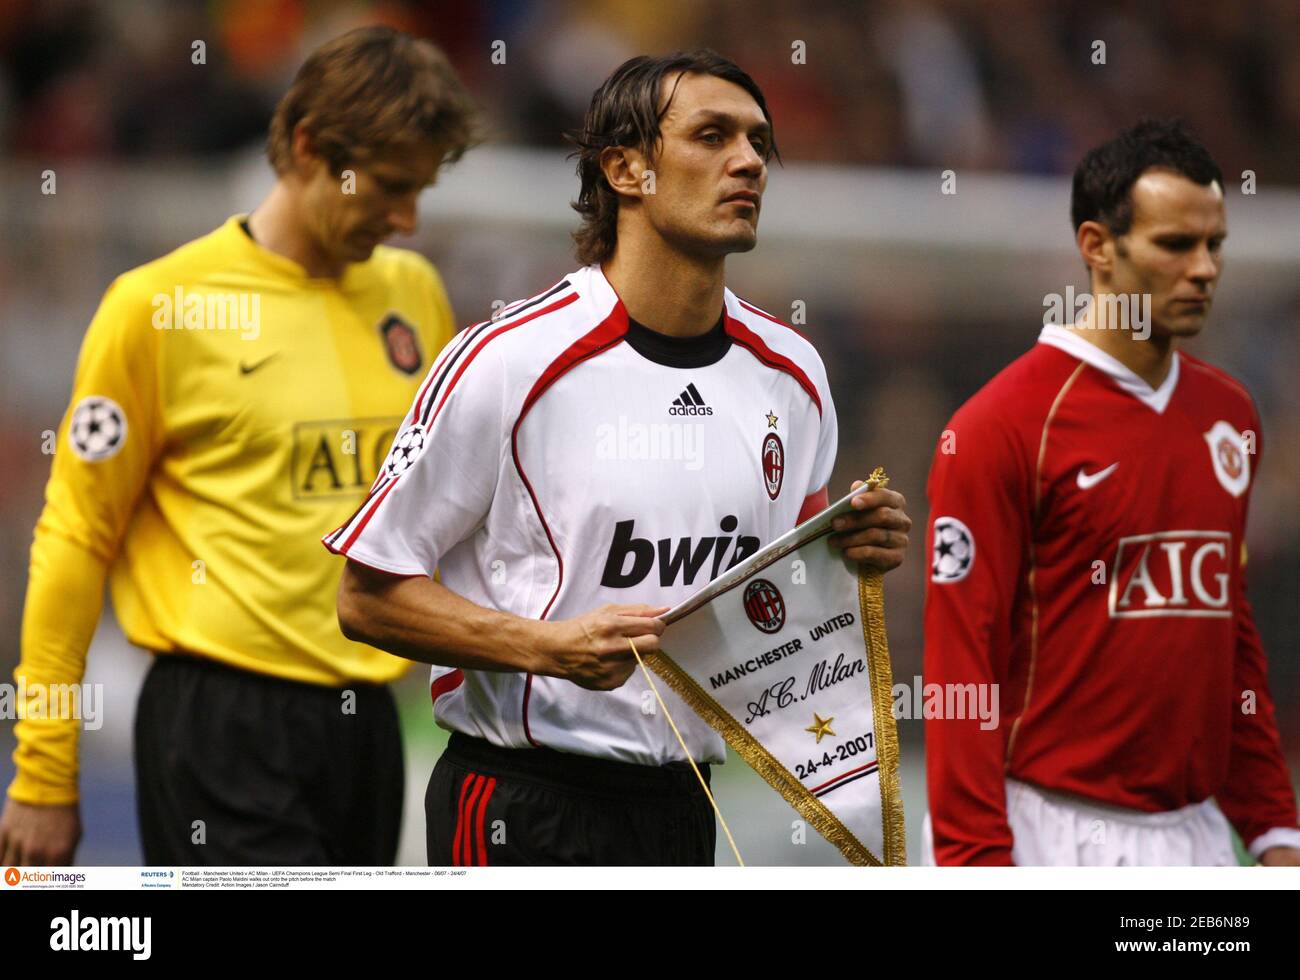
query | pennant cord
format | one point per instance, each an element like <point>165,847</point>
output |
<point>682,742</point>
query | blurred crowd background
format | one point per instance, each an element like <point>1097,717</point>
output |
<point>912,308</point>
<point>1001,84</point>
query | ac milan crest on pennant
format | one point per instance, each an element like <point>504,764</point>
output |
<point>764,605</point>
<point>773,456</point>
<point>401,343</point>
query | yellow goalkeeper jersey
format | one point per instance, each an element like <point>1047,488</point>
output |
<point>227,412</point>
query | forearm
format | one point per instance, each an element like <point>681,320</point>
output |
<point>64,596</point>
<point>967,791</point>
<point>420,619</point>
<point>1258,798</point>
<point>966,757</point>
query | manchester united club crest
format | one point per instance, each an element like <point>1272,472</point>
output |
<point>406,448</point>
<point>773,456</point>
<point>1230,457</point>
<point>401,343</point>
<point>764,605</point>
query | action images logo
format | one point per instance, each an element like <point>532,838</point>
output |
<point>14,877</point>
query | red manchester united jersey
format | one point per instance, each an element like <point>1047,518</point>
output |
<point>1087,536</point>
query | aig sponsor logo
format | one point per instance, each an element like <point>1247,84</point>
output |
<point>1172,573</point>
<point>339,457</point>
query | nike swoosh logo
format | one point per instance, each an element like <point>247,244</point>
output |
<point>250,368</point>
<point>1087,481</point>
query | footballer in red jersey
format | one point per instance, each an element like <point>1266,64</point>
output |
<point>1088,514</point>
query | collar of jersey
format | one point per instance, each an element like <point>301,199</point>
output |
<point>675,352</point>
<point>280,265</point>
<point>680,352</point>
<point>1157,399</point>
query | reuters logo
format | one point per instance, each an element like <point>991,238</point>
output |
<point>13,876</point>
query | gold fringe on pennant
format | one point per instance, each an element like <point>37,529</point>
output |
<point>871,600</point>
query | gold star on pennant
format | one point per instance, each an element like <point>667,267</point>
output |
<point>820,726</point>
<point>771,419</point>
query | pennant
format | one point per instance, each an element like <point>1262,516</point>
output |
<point>786,657</point>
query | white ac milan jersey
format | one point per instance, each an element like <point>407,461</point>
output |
<point>560,457</point>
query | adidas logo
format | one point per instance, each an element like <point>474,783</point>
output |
<point>689,402</point>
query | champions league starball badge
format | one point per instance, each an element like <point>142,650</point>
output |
<point>954,551</point>
<point>405,451</point>
<point>97,429</point>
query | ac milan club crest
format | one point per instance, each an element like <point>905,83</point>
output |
<point>764,605</point>
<point>773,456</point>
<point>1228,455</point>
<point>401,343</point>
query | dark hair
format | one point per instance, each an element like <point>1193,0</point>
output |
<point>372,88</point>
<point>625,111</point>
<point>1107,173</point>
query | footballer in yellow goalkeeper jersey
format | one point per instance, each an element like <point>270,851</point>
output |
<point>232,403</point>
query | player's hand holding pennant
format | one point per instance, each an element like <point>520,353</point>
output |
<point>786,657</point>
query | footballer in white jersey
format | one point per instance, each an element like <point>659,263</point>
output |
<point>562,457</point>
<point>580,463</point>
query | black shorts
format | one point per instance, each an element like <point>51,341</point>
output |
<point>492,806</point>
<point>237,768</point>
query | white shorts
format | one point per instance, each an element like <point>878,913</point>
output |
<point>1052,829</point>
